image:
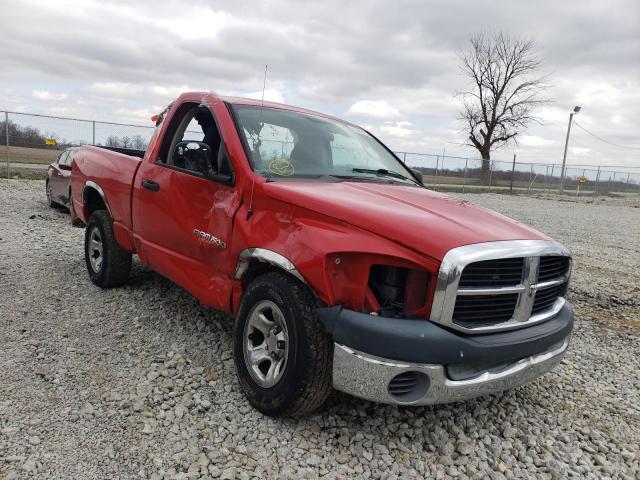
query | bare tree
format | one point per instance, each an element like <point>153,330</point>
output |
<point>504,71</point>
<point>138,142</point>
<point>112,141</point>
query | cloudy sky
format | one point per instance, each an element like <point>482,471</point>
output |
<point>389,66</point>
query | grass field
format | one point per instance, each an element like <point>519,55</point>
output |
<point>30,155</point>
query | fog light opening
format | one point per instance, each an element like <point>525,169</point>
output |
<point>408,387</point>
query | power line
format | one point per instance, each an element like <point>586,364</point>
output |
<point>603,140</point>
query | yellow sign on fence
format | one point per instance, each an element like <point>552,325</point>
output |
<point>49,141</point>
<point>582,180</point>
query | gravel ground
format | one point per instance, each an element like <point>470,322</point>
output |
<point>138,382</point>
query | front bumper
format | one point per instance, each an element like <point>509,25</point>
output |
<point>371,353</point>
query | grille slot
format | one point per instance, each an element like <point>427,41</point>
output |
<point>494,273</point>
<point>545,299</point>
<point>552,268</point>
<point>408,386</point>
<point>481,310</point>
<point>403,383</point>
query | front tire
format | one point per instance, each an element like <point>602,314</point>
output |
<point>282,353</point>
<point>108,265</point>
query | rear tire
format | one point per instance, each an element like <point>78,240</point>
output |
<point>50,201</point>
<point>108,265</point>
<point>297,343</point>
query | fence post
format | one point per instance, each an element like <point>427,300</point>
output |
<point>614,181</point>
<point>595,188</point>
<point>490,174</point>
<point>6,131</point>
<point>513,170</point>
<point>435,179</point>
<point>464,180</point>
<point>626,187</point>
<point>546,177</point>
<point>530,181</point>
<point>404,158</point>
<point>94,132</point>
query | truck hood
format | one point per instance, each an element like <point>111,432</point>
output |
<point>420,219</point>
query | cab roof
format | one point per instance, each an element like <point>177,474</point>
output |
<point>252,102</point>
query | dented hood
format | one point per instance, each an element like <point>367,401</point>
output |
<point>420,219</point>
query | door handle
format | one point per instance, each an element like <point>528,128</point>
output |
<point>150,185</point>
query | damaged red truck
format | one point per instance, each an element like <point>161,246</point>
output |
<point>340,268</point>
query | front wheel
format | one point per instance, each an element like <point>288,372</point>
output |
<point>282,354</point>
<point>108,265</point>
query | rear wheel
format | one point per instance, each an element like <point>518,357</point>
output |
<point>50,201</point>
<point>108,265</point>
<point>282,353</point>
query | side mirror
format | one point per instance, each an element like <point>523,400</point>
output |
<point>64,166</point>
<point>195,156</point>
<point>418,174</point>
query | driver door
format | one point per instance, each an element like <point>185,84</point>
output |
<point>183,218</point>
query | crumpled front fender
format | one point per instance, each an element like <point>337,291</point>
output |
<point>314,248</point>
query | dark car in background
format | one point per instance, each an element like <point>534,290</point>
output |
<point>58,187</point>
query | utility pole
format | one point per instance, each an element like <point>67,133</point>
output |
<point>576,109</point>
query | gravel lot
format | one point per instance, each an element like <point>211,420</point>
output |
<point>138,382</point>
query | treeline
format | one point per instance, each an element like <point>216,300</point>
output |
<point>136,142</point>
<point>26,136</point>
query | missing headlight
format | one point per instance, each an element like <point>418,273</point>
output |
<point>399,291</point>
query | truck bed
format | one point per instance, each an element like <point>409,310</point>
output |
<point>113,170</point>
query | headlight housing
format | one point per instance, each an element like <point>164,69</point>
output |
<point>381,285</point>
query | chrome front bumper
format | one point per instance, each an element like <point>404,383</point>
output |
<point>367,376</point>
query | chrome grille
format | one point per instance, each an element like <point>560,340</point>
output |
<point>501,285</point>
<point>495,273</point>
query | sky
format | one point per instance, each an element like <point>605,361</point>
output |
<point>392,67</point>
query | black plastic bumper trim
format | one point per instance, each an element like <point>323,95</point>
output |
<point>422,341</point>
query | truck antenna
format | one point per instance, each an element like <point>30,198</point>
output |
<point>264,85</point>
<point>253,182</point>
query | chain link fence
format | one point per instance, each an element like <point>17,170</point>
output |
<point>449,173</point>
<point>31,142</point>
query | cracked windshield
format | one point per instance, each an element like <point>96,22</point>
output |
<point>290,144</point>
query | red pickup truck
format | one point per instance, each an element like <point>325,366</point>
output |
<point>341,269</point>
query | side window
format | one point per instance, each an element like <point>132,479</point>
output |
<point>193,132</point>
<point>192,123</point>
<point>62,158</point>
<point>69,158</point>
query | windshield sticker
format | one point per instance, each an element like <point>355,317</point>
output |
<point>282,167</point>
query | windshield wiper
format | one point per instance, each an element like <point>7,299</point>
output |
<point>383,172</point>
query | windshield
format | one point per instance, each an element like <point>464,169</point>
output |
<point>283,143</point>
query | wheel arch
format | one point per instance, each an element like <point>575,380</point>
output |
<point>94,198</point>
<point>255,261</point>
